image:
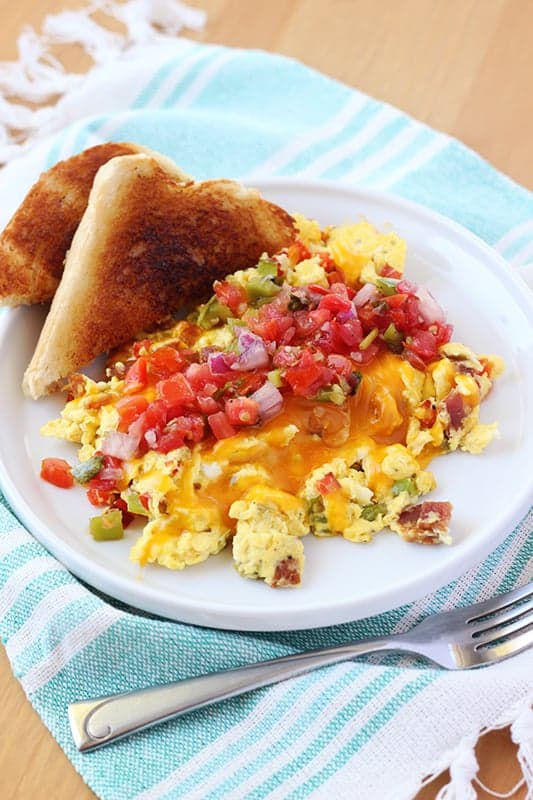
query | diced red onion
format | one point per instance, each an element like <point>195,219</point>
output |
<point>218,363</point>
<point>269,399</point>
<point>346,316</point>
<point>365,293</point>
<point>429,309</point>
<point>120,445</point>
<point>253,353</point>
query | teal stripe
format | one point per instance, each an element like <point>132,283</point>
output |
<point>55,149</point>
<point>31,596</point>
<point>18,557</point>
<point>291,735</point>
<point>147,92</point>
<point>366,151</point>
<point>63,622</point>
<point>365,734</point>
<point>516,246</point>
<point>421,140</point>
<point>313,152</point>
<point>222,762</point>
<point>186,80</point>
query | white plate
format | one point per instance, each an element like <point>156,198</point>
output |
<point>491,311</point>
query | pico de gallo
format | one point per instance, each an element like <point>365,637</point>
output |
<point>300,336</point>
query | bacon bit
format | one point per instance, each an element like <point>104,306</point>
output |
<point>286,573</point>
<point>456,409</point>
<point>426,414</point>
<point>426,523</point>
<point>328,484</point>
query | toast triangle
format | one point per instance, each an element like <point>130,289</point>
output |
<point>146,246</point>
<point>34,242</point>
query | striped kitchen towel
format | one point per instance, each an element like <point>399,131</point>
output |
<point>372,729</point>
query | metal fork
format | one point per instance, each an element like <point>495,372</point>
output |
<point>474,636</point>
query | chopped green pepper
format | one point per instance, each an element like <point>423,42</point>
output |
<point>267,268</point>
<point>387,286</point>
<point>393,338</point>
<point>212,313</point>
<point>318,520</point>
<point>259,287</point>
<point>274,376</point>
<point>107,526</point>
<point>331,394</point>
<point>133,502</point>
<point>369,338</point>
<point>404,485</point>
<point>371,512</point>
<point>85,470</point>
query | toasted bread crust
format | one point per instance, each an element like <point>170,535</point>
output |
<point>35,241</point>
<point>145,247</point>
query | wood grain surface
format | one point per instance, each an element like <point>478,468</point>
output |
<point>462,66</point>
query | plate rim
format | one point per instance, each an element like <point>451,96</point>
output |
<point>199,612</point>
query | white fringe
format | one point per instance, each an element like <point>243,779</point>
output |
<point>463,765</point>
<point>38,76</point>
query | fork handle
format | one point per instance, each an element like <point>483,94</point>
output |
<point>103,720</point>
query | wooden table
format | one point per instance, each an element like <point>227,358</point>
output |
<point>463,66</point>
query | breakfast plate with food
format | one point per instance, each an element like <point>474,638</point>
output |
<point>264,408</point>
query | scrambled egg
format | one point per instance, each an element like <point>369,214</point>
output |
<point>318,468</point>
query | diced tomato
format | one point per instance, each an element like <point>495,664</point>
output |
<point>177,393</point>
<point>424,344</point>
<point>188,428</point>
<point>395,300</point>
<point>308,322</point>
<point>136,377</point>
<point>127,516</point>
<point>335,302</point>
<point>111,462</point>
<point>242,411</point>
<point>298,251</point>
<point>165,361</point>
<point>129,409</point>
<point>406,287</point>
<point>328,484</point>
<point>57,472</point>
<point>101,492</point>
<point>414,360</point>
<point>202,380</point>
<point>443,332</point>
<point>316,288</point>
<point>155,415</point>
<point>249,383</point>
<point>144,500</point>
<point>208,405</point>
<point>340,364</point>
<point>371,316</point>
<point>350,333</point>
<point>308,376</point>
<point>220,425</point>
<point>270,327</point>
<point>362,357</point>
<point>231,295</point>
<point>388,272</point>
